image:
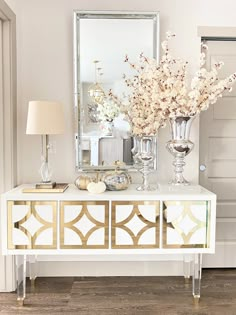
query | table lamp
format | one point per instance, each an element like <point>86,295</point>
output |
<point>45,118</point>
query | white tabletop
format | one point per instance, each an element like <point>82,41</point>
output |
<point>73,193</point>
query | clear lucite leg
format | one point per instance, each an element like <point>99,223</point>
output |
<point>187,268</point>
<point>21,278</point>
<point>197,274</point>
<point>33,270</point>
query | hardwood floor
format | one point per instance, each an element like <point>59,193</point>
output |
<point>127,295</point>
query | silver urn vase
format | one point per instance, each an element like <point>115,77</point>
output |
<point>180,146</point>
<point>144,154</point>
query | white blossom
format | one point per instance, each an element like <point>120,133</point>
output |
<point>159,90</point>
<point>108,110</point>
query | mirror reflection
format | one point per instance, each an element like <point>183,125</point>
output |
<point>102,40</point>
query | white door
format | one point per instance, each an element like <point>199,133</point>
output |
<point>218,157</point>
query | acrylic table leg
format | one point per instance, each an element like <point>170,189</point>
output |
<point>33,270</point>
<point>187,259</point>
<point>197,274</point>
<point>21,278</point>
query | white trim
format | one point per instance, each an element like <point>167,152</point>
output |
<point>214,31</point>
<point>6,14</point>
<point>8,125</point>
<point>106,269</point>
<point>224,256</point>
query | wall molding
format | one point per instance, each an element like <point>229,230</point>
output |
<point>109,268</point>
<point>216,32</point>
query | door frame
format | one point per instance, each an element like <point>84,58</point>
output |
<point>214,33</point>
<point>8,126</point>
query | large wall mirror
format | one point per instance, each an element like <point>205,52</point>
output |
<point>101,42</point>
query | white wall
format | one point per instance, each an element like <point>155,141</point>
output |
<point>45,67</point>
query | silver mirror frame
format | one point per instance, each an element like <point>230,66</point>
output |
<point>154,16</point>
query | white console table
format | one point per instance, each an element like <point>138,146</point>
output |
<point>172,220</point>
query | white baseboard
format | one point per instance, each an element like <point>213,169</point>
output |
<point>224,257</point>
<point>98,269</point>
<point>7,274</point>
<point>140,265</point>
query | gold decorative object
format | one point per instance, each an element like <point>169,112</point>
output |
<point>80,223</point>
<point>31,224</point>
<point>95,91</point>
<point>59,188</point>
<point>48,185</point>
<point>82,181</point>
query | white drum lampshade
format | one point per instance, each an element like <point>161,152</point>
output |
<point>45,118</point>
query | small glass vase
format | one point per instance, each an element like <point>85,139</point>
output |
<point>180,146</point>
<point>107,127</point>
<point>134,151</point>
<point>143,159</point>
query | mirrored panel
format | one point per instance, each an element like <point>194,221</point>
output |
<point>101,43</point>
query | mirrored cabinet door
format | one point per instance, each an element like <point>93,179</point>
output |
<point>135,224</point>
<point>186,224</point>
<point>32,224</point>
<point>84,224</point>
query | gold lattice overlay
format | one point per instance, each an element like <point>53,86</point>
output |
<point>135,224</point>
<point>26,225</point>
<point>88,227</point>
<point>185,224</point>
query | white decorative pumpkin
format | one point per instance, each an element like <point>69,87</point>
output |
<point>96,188</point>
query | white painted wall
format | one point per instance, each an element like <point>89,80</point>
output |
<point>45,68</point>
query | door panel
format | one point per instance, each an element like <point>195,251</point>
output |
<point>218,154</point>
<point>225,109</point>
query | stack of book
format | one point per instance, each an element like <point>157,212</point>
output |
<point>47,188</point>
<point>42,185</point>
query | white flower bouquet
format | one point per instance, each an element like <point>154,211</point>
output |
<point>160,91</point>
<point>205,87</point>
<point>108,110</point>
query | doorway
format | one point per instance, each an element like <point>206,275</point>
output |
<point>218,155</point>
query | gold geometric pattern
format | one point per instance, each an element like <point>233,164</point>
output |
<point>26,225</point>
<point>89,219</point>
<point>135,224</point>
<point>185,224</point>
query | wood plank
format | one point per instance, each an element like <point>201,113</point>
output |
<point>127,295</point>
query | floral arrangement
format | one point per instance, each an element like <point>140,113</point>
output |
<point>205,87</point>
<point>160,91</point>
<point>108,110</point>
